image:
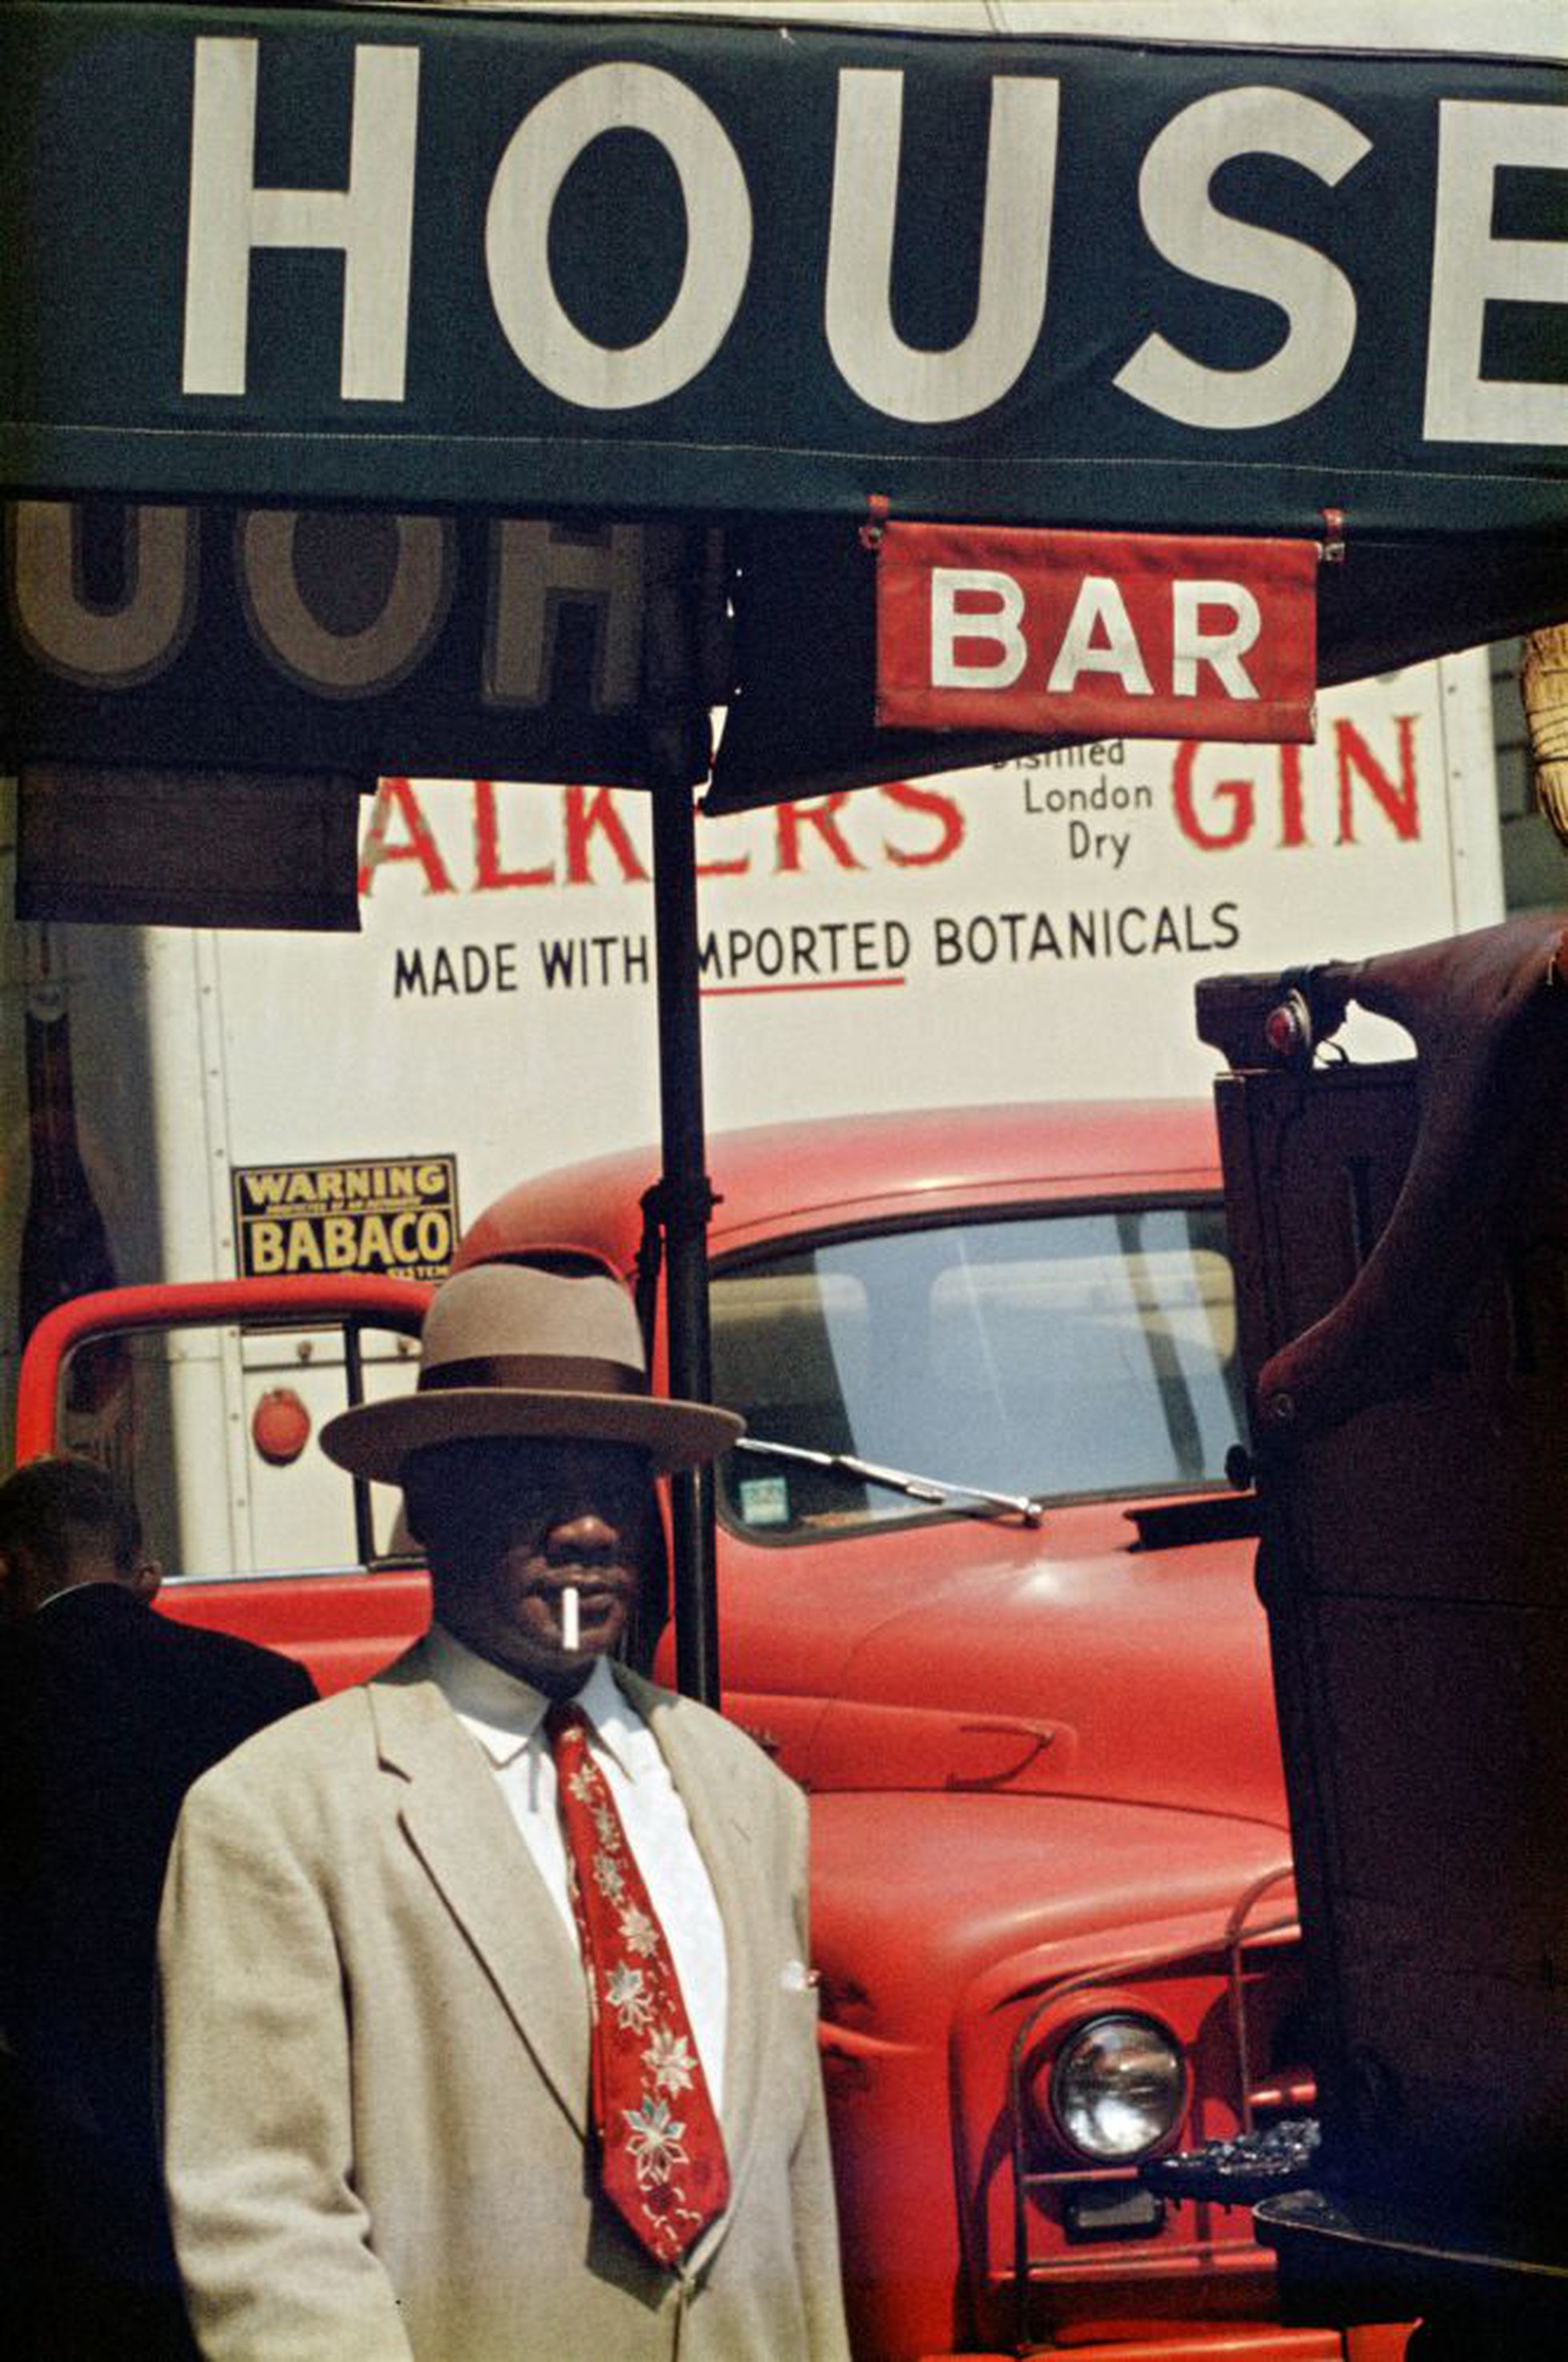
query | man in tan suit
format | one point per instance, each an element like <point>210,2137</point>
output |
<point>415,1942</point>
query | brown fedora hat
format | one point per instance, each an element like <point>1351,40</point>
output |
<point>511,1351</point>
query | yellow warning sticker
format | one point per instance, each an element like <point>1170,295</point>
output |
<point>385,1215</point>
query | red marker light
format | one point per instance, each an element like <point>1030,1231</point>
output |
<point>280,1426</point>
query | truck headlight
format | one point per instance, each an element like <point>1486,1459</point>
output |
<point>1118,2086</point>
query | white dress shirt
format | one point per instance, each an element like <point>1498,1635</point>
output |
<point>506,1716</point>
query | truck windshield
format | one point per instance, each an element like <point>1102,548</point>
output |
<point>1061,1355</point>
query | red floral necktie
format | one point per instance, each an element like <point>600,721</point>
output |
<point>661,2153</point>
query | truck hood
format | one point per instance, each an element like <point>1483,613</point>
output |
<point>1018,1890</point>
<point>1046,1664</point>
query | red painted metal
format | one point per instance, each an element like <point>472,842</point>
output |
<point>397,1303</point>
<point>1181,2345</point>
<point>779,1180</point>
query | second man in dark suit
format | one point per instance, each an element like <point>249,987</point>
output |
<point>108,1713</point>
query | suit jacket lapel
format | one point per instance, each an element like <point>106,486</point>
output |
<point>686,1741</point>
<point>458,1825</point>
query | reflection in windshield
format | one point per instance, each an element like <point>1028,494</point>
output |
<point>1056,1355</point>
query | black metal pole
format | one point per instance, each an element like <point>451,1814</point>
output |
<point>686,1201</point>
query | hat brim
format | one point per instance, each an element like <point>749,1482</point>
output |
<point>374,1439</point>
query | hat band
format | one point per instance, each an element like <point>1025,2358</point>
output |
<point>535,1373</point>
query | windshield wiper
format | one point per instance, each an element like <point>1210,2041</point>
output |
<point>900,1480</point>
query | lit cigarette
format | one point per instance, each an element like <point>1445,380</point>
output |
<point>568,1616</point>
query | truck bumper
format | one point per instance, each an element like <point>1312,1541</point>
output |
<point>1224,2344</point>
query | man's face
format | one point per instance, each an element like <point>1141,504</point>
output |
<point>508,1526</point>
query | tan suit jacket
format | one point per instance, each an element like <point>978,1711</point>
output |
<point>376,2052</point>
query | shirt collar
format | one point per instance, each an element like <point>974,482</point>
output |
<point>70,1590</point>
<point>504,1711</point>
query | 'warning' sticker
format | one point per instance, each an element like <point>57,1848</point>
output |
<point>381,1215</point>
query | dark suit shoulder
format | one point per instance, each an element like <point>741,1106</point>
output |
<point>105,1673</point>
<point>111,1712</point>
<point>100,1618</point>
<point>224,1654</point>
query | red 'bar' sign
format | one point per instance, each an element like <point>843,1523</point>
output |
<point>1095,634</point>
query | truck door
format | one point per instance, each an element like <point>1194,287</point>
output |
<point>207,1401</point>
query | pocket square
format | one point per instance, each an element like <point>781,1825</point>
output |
<point>795,1977</point>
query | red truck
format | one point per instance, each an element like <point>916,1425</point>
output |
<point>986,1590</point>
